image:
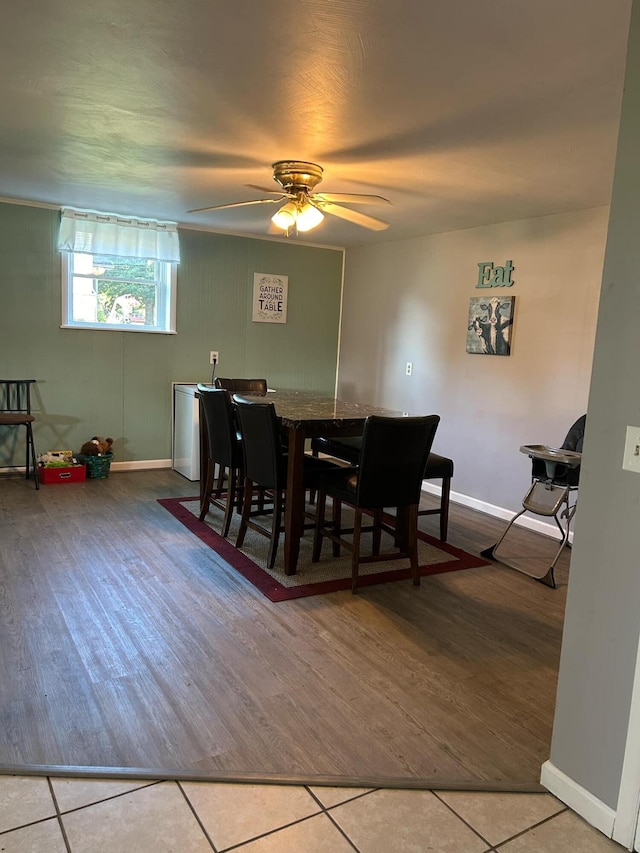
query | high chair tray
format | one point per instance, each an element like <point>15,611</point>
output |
<point>552,454</point>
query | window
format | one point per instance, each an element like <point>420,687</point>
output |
<point>128,294</point>
<point>117,273</point>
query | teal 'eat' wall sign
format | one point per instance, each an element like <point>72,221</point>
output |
<point>492,276</point>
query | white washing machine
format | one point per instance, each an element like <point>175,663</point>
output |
<point>186,431</point>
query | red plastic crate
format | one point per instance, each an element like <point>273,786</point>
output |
<point>72,474</point>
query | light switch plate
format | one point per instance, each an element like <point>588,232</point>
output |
<point>631,459</point>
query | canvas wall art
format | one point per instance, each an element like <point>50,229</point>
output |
<point>490,325</point>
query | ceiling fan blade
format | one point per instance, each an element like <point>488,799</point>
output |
<point>352,198</point>
<point>239,204</point>
<point>267,190</point>
<point>354,216</point>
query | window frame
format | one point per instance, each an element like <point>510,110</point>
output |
<point>67,302</point>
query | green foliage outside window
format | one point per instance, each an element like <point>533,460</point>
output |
<point>118,292</point>
<point>128,294</point>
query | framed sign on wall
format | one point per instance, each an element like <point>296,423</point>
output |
<point>270,298</point>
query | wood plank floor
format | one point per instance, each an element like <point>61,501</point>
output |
<point>126,643</point>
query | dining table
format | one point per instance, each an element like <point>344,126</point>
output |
<point>305,415</point>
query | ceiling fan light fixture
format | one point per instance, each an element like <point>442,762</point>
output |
<point>308,217</point>
<point>285,218</point>
<point>300,207</point>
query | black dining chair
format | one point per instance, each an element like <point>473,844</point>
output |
<point>15,411</point>
<point>265,468</point>
<point>254,387</point>
<point>437,468</point>
<point>224,450</point>
<point>389,475</point>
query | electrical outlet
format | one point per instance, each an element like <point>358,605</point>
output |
<point>409,369</point>
<point>213,357</point>
<point>631,458</point>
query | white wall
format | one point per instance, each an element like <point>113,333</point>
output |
<point>409,301</point>
<point>602,622</point>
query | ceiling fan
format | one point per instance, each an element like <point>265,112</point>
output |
<point>304,209</point>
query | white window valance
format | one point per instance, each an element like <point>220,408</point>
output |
<point>109,234</point>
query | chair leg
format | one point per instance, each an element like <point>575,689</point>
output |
<point>239,497</point>
<point>31,448</point>
<point>317,536</point>
<point>402,529</point>
<point>377,521</point>
<point>246,509</point>
<point>337,524</point>
<point>355,554</point>
<point>412,542</point>
<point>230,502</point>
<point>220,485</point>
<point>313,490</point>
<point>28,452</point>
<point>206,498</point>
<point>444,509</point>
<point>275,528</point>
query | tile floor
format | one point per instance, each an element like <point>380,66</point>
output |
<point>56,815</point>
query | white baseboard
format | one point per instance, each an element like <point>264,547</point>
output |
<point>141,465</point>
<point>542,527</point>
<point>593,810</point>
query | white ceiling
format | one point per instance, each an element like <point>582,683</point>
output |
<point>460,112</point>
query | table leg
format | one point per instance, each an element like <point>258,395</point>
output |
<point>294,511</point>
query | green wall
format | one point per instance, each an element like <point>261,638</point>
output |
<point>119,383</point>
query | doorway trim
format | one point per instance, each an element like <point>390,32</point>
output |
<point>626,830</point>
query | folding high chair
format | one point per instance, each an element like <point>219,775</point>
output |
<point>555,473</point>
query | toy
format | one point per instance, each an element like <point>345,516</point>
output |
<point>57,459</point>
<point>96,446</point>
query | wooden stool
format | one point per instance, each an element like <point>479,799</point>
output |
<point>15,410</point>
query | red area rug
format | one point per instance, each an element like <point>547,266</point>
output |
<point>330,574</point>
